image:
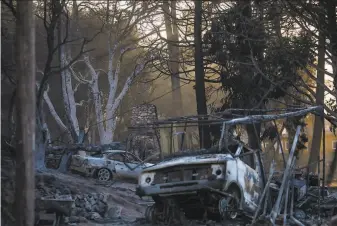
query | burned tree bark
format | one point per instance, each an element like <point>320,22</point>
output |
<point>204,135</point>
<point>171,28</point>
<point>25,105</point>
<point>318,123</point>
<point>66,80</point>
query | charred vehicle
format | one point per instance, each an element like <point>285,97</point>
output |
<point>209,182</point>
<point>109,164</point>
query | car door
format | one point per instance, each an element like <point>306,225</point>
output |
<point>249,179</point>
<point>117,160</point>
<point>77,160</point>
<point>134,165</point>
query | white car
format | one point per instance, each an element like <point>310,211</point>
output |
<point>108,165</point>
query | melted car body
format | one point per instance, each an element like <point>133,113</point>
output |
<point>109,164</point>
<point>202,183</point>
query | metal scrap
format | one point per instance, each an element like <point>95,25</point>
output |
<point>287,172</point>
<point>264,196</point>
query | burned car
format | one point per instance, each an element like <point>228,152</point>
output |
<point>109,164</point>
<point>199,184</point>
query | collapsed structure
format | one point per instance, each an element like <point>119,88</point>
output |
<point>224,181</point>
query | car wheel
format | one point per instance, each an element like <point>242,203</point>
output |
<point>229,206</point>
<point>233,206</point>
<point>104,174</point>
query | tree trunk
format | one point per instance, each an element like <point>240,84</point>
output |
<point>175,79</point>
<point>26,107</point>
<point>40,147</point>
<point>66,81</point>
<point>204,135</point>
<point>253,132</point>
<point>42,140</point>
<point>171,28</point>
<point>318,124</point>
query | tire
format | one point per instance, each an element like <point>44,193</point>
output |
<point>236,204</point>
<point>104,174</point>
<point>150,214</point>
<point>233,203</point>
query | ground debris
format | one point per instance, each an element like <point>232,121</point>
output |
<point>90,202</point>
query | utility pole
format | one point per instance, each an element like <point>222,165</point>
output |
<point>26,107</point>
<point>204,135</point>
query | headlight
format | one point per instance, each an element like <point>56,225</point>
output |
<point>85,162</point>
<point>146,178</point>
<point>217,170</point>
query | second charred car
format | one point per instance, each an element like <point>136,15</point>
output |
<point>109,164</point>
<point>218,183</point>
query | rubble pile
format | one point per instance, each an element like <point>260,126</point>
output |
<point>90,206</point>
<point>313,208</point>
<point>86,206</point>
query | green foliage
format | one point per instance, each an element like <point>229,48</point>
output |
<point>254,65</point>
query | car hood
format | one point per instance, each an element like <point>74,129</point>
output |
<point>147,165</point>
<point>191,160</point>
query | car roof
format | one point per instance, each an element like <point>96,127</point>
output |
<point>113,151</point>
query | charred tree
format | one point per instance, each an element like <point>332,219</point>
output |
<point>171,27</point>
<point>204,135</point>
<point>66,78</point>
<point>25,106</point>
<point>318,123</point>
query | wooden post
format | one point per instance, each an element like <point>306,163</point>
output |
<point>26,107</point>
<point>323,146</point>
<point>171,141</point>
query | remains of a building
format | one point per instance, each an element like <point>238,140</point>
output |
<point>218,181</point>
<point>145,141</point>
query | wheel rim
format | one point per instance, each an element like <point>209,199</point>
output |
<point>103,175</point>
<point>232,206</point>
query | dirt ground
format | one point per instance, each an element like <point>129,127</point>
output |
<point>120,194</point>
